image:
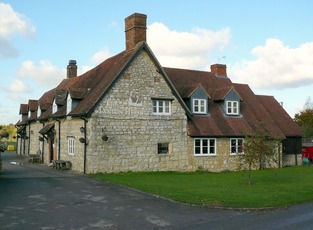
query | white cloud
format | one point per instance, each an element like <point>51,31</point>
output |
<point>186,49</point>
<point>45,74</point>
<point>18,86</point>
<point>12,23</point>
<point>277,66</point>
<point>97,58</point>
<point>100,56</point>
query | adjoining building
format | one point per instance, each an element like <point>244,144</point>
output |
<point>129,113</point>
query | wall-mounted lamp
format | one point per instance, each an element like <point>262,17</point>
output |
<point>105,138</point>
<point>41,139</point>
<point>32,132</point>
<point>82,129</point>
<point>82,140</point>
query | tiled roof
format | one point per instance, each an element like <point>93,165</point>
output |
<point>255,111</point>
<point>98,80</point>
<point>90,88</point>
<point>24,109</point>
<point>46,99</point>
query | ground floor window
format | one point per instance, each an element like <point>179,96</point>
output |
<point>71,146</point>
<point>204,146</point>
<point>163,148</point>
<point>236,146</point>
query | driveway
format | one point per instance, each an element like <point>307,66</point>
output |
<point>34,196</point>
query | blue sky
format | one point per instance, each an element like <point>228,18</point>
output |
<point>267,44</point>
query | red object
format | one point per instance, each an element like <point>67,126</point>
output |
<point>307,152</point>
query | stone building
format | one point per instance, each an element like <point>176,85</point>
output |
<point>131,114</point>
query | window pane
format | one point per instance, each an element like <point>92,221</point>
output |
<point>167,107</point>
<point>197,150</point>
<point>154,105</point>
<point>162,147</point>
<point>240,146</point>
<point>212,146</point>
<point>197,146</point>
<point>205,150</point>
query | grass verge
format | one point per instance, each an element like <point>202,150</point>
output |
<point>269,188</point>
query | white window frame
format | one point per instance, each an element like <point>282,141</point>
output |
<point>71,146</point>
<point>38,111</point>
<point>205,147</point>
<point>232,107</point>
<point>236,146</point>
<point>69,104</point>
<point>161,107</point>
<point>199,106</point>
<point>54,107</point>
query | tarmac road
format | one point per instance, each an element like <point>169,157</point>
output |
<point>34,196</point>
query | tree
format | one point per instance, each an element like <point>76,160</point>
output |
<point>260,150</point>
<point>305,118</point>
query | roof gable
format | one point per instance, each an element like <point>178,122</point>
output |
<point>102,78</point>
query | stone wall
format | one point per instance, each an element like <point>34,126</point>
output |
<point>222,161</point>
<point>290,159</point>
<point>70,127</point>
<point>34,135</point>
<point>125,117</point>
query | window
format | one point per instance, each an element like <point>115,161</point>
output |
<point>68,104</point>
<point>70,146</point>
<point>54,107</point>
<point>236,146</point>
<point>232,107</point>
<point>161,107</point>
<point>204,146</point>
<point>38,111</point>
<point>199,105</point>
<point>163,148</point>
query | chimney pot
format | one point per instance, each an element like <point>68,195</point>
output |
<point>219,70</point>
<point>135,29</point>
<point>72,69</point>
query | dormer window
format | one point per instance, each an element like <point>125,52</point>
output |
<point>38,111</point>
<point>69,104</point>
<point>54,107</point>
<point>232,107</point>
<point>199,106</point>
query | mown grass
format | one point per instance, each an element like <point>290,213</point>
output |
<point>269,188</point>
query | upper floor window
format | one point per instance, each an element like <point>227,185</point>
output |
<point>69,104</point>
<point>54,107</point>
<point>199,106</point>
<point>38,111</point>
<point>236,146</point>
<point>232,107</point>
<point>161,107</point>
<point>204,146</point>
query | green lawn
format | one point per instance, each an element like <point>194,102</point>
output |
<point>269,188</point>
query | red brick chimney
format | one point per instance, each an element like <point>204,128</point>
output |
<point>71,69</point>
<point>135,29</point>
<point>219,70</point>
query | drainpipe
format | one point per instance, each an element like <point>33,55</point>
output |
<point>85,143</point>
<point>28,147</point>
<point>59,139</point>
<point>17,139</point>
